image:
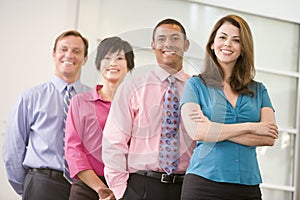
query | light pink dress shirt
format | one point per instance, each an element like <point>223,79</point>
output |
<point>132,133</point>
<point>85,122</point>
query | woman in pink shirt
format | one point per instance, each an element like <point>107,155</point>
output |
<point>86,120</point>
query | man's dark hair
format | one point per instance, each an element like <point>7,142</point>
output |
<point>170,21</point>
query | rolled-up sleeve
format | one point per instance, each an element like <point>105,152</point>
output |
<point>74,149</point>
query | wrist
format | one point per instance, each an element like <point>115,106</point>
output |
<point>249,128</point>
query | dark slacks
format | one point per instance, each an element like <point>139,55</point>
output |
<point>46,186</point>
<point>81,191</point>
<point>142,187</point>
<point>198,188</point>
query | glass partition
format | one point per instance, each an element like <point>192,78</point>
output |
<point>276,58</point>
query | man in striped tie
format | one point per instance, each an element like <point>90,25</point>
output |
<point>33,149</point>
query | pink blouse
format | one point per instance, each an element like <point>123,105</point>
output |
<point>84,129</point>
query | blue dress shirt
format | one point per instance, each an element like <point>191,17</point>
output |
<point>34,137</point>
<point>226,161</point>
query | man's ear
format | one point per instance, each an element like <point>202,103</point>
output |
<point>85,59</point>
<point>186,45</point>
<point>152,46</point>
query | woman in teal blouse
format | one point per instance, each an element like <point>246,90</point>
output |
<point>228,114</point>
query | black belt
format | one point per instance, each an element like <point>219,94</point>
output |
<point>163,177</point>
<point>51,173</point>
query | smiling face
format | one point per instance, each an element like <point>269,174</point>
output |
<point>226,45</point>
<point>69,58</point>
<point>169,45</point>
<point>114,66</point>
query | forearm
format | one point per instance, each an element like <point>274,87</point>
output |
<point>15,175</point>
<point>249,133</point>
<point>117,181</point>
<point>13,151</point>
<point>199,128</point>
<point>249,139</point>
<point>90,178</point>
<point>238,133</point>
<point>253,140</point>
<point>218,132</point>
<point>114,156</point>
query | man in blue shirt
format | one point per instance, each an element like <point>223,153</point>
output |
<point>33,147</point>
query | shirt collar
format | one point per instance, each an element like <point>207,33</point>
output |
<point>163,74</point>
<point>95,96</point>
<point>61,84</point>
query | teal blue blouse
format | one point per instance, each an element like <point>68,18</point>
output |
<point>226,161</point>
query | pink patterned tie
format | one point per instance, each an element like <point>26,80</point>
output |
<point>169,142</point>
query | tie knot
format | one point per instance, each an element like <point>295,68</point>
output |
<point>69,88</point>
<point>69,91</point>
<point>171,79</point>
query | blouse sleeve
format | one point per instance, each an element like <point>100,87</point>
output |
<point>266,101</point>
<point>190,92</point>
<point>74,149</point>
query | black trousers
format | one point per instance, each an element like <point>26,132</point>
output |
<point>142,187</point>
<point>198,188</point>
<point>81,191</point>
<point>51,186</point>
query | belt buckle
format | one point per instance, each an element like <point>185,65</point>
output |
<point>165,178</point>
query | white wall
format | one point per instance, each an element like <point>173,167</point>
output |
<point>280,9</point>
<point>28,30</point>
<point>29,27</point>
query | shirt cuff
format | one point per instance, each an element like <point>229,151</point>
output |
<point>17,187</point>
<point>119,190</point>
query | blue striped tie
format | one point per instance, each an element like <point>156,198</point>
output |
<point>69,93</point>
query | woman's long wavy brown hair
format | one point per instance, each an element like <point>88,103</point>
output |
<point>243,71</point>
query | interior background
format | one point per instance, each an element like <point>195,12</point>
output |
<point>29,28</point>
